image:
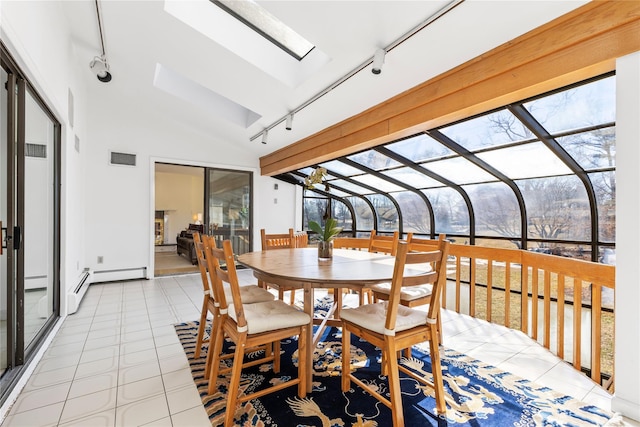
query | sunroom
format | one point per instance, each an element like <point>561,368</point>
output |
<point>517,147</point>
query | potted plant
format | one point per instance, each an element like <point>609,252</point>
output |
<point>326,235</point>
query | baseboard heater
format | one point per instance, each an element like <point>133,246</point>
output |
<point>120,274</point>
<point>74,298</point>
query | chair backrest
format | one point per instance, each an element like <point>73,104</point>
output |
<point>301,239</point>
<point>420,255</point>
<point>229,276</point>
<point>420,241</point>
<point>277,241</point>
<point>202,262</point>
<point>384,244</point>
<point>356,243</point>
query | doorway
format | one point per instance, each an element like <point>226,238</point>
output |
<point>179,203</point>
<point>29,214</point>
<point>216,201</point>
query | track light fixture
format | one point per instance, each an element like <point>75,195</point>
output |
<point>378,60</point>
<point>265,136</point>
<point>289,122</point>
<point>100,67</point>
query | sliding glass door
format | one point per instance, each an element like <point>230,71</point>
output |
<point>29,214</point>
<point>229,207</point>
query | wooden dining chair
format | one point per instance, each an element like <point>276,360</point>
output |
<point>383,243</point>
<point>250,293</point>
<point>280,241</point>
<point>413,296</point>
<point>265,323</point>
<point>358,244</point>
<point>393,327</point>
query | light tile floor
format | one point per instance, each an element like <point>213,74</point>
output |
<point>118,362</point>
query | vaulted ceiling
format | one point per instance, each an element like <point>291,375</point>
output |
<point>192,65</point>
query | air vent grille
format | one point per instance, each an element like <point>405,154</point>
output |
<point>35,150</point>
<point>125,159</point>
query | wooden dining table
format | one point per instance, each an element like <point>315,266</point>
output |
<point>300,268</point>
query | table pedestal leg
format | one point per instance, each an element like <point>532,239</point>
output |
<point>308,308</point>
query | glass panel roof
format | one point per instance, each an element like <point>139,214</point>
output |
<point>420,148</point>
<point>364,214</point>
<point>525,161</point>
<point>592,150</point>
<point>557,208</point>
<point>341,168</point>
<point>496,209</point>
<point>583,106</point>
<point>413,209</point>
<point>349,186</point>
<point>260,20</point>
<point>386,211</point>
<point>490,130</point>
<point>604,185</point>
<point>450,211</point>
<point>530,192</point>
<point>374,160</point>
<point>459,170</point>
<point>412,177</point>
<point>379,183</point>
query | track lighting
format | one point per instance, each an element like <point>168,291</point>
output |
<point>265,136</point>
<point>289,122</point>
<point>378,60</point>
<point>100,67</point>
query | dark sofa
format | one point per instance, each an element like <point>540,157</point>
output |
<point>184,242</point>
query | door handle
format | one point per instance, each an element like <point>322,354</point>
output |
<point>17,237</point>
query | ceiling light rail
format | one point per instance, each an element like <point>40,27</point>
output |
<point>99,65</point>
<point>377,59</point>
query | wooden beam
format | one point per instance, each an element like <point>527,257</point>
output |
<point>581,44</point>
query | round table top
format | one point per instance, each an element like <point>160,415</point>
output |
<point>346,268</point>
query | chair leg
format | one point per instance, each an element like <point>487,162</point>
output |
<point>346,358</point>
<point>201,327</point>
<point>302,362</point>
<point>436,372</point>
<point>393,375</point>
<point>337,298</point>
<point>215,349</point>
<point>276,356</point>
<point>292,297</point>
<point>234,383</point>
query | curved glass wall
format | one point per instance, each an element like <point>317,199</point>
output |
<point>537,174</point>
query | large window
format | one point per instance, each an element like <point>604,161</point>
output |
<point>538,174</point>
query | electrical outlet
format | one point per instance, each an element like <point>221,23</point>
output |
<point>100,259</point>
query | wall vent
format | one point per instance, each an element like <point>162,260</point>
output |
<point>35,150</point>
<point>125,159</point>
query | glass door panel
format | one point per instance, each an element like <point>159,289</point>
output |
<point>229,207</point>
<point>38,226</point>
<point>4,295</point>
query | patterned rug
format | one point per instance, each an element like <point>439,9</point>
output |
<point>478,394</point>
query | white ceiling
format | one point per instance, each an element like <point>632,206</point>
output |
<point>141,36</point>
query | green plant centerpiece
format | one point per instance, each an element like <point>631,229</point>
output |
<point>326,235</point>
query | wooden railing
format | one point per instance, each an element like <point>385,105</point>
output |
<point>565,304</point>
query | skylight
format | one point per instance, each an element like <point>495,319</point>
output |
<point>267,25</point>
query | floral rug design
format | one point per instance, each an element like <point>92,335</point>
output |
<point>478,394</point>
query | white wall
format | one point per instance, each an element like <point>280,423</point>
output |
<point>627,368</point>
<point>46,57</point>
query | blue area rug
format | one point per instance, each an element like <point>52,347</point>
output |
<point>478,394</point>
